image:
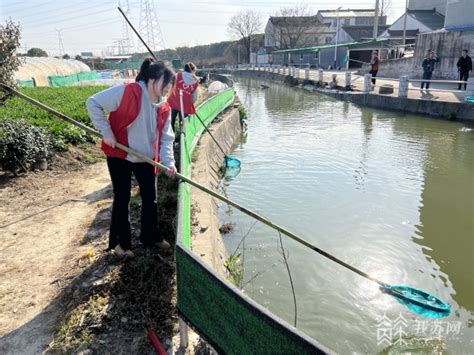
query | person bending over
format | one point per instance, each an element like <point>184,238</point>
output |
<point>139,118</point>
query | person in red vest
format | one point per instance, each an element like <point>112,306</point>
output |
<point>188,82</point>
<point>139,118</point>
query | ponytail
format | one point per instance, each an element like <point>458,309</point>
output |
<point>156,70</point>
<point>189,67</point>
<point>144,69</point>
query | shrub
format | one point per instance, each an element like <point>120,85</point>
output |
<point>22,145</point>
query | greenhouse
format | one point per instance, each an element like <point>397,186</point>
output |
<point>45,71</point>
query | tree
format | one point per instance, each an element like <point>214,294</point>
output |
<point>244,26</point>
<point>36,52</point>
<point>78,57</point>
<point>66,56</point>
<point>294,27</point>
<point>385,7</point>
<point>10,34</point>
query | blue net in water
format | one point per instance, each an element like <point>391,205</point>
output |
<point>231,162</point>
<point>419,302</point>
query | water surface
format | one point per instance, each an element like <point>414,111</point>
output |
<point>391,194</point>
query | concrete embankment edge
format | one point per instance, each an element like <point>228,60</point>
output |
<point>431,108</point>
<point>207,241</point>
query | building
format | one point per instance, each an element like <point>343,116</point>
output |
<point>438,5</point>
<point>417,21</point>
<point>460,16</point>
<point>262,56</point>
<point>348,34</point>
<point>335,19</point>
<point>116,59</point>
<point>87,54</point>
<point>293,32</point>
<point>446,35</point>
<point>346,55</point>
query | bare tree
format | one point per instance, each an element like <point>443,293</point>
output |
<point>244,26</point>
<point>385,7</point>
<point>295,27</point>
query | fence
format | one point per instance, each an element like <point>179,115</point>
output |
<point>124,65</point>
<point>366,86</point>
<point>68,80</point>
<point>228,319</point>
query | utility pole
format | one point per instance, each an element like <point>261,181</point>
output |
<point>405,25</point>
<point>337,37</point>
<point>250,48</point>
<point>376,20</point>
<point>149,26</point>
<point>128,44</point>
<point>61,45</point>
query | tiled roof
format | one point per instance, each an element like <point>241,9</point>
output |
<point>362,32</point>
<point>430,18</point>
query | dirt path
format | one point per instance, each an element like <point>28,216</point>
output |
<point>43,218</point>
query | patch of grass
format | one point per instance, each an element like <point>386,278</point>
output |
<point>243,113</point>
<point>76,329</point>
<point>235,270</point>
<point>135,199</point>
<point>194,156</point>
<point>87,254</point>
<point>68,100</point>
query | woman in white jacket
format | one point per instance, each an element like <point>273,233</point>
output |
<point>140,118</point>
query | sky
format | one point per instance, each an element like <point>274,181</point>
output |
<point>96,25</point>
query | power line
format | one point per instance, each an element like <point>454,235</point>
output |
<point>67,29</point>
<point>95,12</point>
<point>71,7</point>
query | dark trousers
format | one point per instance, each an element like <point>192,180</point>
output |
<point>174,114</point>
<point>427,76</point>
<point>463,76</point>
<point>374,74</point>
<point>121,174</point>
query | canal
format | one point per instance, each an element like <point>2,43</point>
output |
<point>389,193</point>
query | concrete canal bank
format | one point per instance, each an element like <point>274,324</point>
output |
<point>207,160</point>
<point>429,104</point>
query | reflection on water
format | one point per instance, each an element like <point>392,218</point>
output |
<point>388,193</point>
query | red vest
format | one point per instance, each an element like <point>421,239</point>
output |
<point>188,90</point>
<point>126,114</point>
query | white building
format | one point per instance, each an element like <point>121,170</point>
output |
<point>335,19</point>
<point>417,21</point>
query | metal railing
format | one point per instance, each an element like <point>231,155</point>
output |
<point>403,82</point>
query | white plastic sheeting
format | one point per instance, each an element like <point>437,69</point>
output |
<point>216,87</point>
<point>39,68</point>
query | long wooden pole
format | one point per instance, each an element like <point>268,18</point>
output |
<point>197,185</point>
<point>136,32</point>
